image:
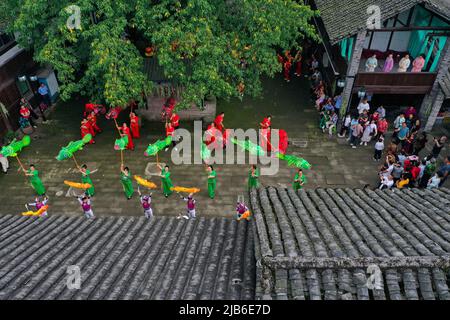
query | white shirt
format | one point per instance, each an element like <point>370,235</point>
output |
<point>388,183</point>
<point>347,121</point>
<point>363,106</point>
<point>379,146</point>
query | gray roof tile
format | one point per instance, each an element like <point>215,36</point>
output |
<point>346,223</point>
<point>126,258</point>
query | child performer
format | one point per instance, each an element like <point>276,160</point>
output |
<point>39,204</point>
<point>242,211</point>
<point>146,201</point>
<point>190,207</point>
<point>85,203</point>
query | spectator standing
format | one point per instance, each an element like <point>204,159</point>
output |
<point>26,103</point>
<point>444,171</point>
<point>404,63</point>
<point>346,126</point>
<point>379,147</point>
<point>381,111</point>
<point>398,124</point>
<point>45,97</point>
<point>4,164</point>
<point>382,126</point>
<point>437,147</point>
<point>357,132</point>
<point>403,133</point>
<point>419,143</point>
<point>371,63</point>
<point>363,105</point>
<point>26,114</point>
<point>389,63</point>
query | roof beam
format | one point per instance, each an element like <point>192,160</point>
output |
<point>404,262</point>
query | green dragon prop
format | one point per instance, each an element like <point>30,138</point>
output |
<point>251,147</point>
<point>159,145</point>
<point>73,146</point>
<point>121,144</point>
<point>15,146</point>
<point>205,153</point>
<point>294,161</point>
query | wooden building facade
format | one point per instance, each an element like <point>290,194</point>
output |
<point>14,63</point>
<point>414,27</point>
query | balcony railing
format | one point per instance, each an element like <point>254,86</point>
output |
<point>395,82</point>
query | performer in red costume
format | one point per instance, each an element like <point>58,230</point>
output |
<point>287,69</point>
<point>168,108</point>
<point>85,129</point>
<point>91,107</point>
<point>125,130</point>
<point>175,120</point>
<point>92,118</point>
<point>218,122</point>
<point>265,142</point>
<point>134,125</point>
<point>212,136</point>
<point>266,123</point>
<point>113,113</point>
<point>283,144</point>
<point>298,63</point>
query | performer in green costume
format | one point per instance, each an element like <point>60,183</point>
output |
<point>211,182</point>
<point>253,176</point>
<point>166,181</point>
<point>125,178</point>
<point>86,178</point>
<point>35,181</point>
<point>299,180</point>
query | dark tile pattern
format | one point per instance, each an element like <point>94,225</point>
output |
<point>126,258</point>
<point>339,223</point>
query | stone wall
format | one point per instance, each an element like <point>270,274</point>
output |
<point>153,113</point>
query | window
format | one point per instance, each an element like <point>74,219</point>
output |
<point>23,87</point>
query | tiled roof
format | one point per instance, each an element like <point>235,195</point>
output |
<point>300,235</point>
<point>126,258</point>
<point>344,18</point>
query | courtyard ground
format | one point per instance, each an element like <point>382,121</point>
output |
<point>335,164</point>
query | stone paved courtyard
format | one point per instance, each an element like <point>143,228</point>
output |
<point>335,164</point>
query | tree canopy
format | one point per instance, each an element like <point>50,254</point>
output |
<point>210,47</point>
